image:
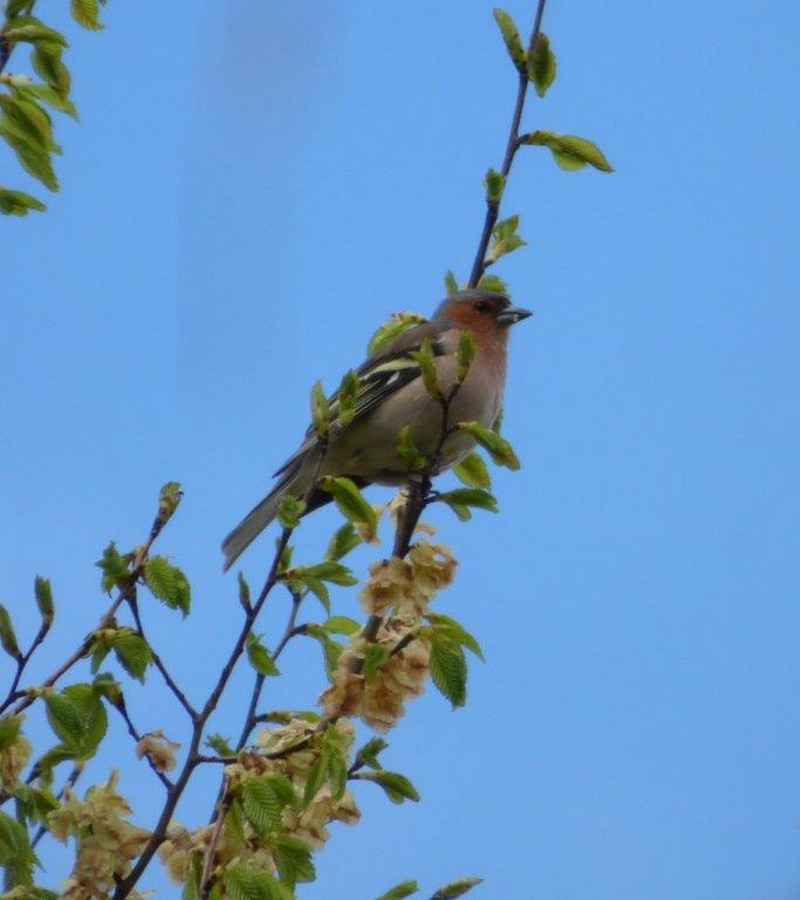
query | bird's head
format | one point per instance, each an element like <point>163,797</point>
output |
<point>479,311</point>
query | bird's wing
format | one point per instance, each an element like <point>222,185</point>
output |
<point>380,376</point>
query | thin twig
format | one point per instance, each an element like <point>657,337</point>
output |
<point>204,888</point>
<point>21,663</point>
<point>512,145</point>
<point>134,733</point>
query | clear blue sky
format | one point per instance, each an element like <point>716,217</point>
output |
<point>253,187</point>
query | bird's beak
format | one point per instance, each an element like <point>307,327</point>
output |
<point>513,314</point>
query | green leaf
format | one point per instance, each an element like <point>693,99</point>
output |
<point>46,60</point>
<point>450,283</point>
<point>44,599</point>
<point>78,718</point>
<point>244,591</point>
<point>109,688</point>
<point>511,37</point>
<point>34,158</point>
<point>34,803</point>
<point>347,397</point>
<point>461,499</point>
<point>259,656</point>
<point>31,30</point>
<point>449,669</point>
<point>465,354</point>
<point>407,451</point>
<point>375,656</point>
<point>498,447</point>
<point>493,283</point>
<point>115,568</point>
<point>86,13</point>
<point>541,63</point>
<point>10,729</point>
<point>16,854</point>
<point>569,151</point>
<point>351,503</point>
<point>397,787</point>
<point>399,891</point>
<point>242,883</point>
<point>168,584</point>
<point>472,471</point>
<point>343,541</point>
<point>331,649</point>
<point>31,119</point>
<point>49,95</point>
<point>368,754</point>
<point>505,239</point>
<point>169,499</point>
<point>18,203</point>
<point>220,745</point>
<point>263,802</point>
<point>132,651</point>
<point>426,361</point>
<point>320,411</point>
<point>449,628</point>
<point>456,888</point>
<point>494,183</point>
<point>8,638</point>
<point>341,625</point>
<point>290,510</point>
<point>393,328</point>
<point>293,859</point>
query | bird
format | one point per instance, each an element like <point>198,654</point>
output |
<point>390,396</point>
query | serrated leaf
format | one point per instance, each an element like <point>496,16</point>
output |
<point>425,359</point>
<point>49,95</point>
<point>449,669</point>
<point>44,599</point>
<point>242,883</point>
<point>345,539</point>
<point>375,656</point>
<point>10,729</point>
<point>449,628</point>
<point>399,891</point>
<point>368,754</point>
<point>220,745</point>
<point>498,447</point>
<point>31,119</point>
<point>569,151</point>
<point>115,568</point>
<point>290,510</point>
<point>450,283</point>
<point>86,13</point>
<point>132,651</point>
<point>8,638</point>
<point>494,183</point>
<point>456,888</point>
<point>18,203</point>
<point>473,472</point>
<point>31,30</point>
<point>109,688</point>
<point>351,503</point>
<point>396,786</point>
<point>407,450</point>
<point>293,859</point>
<point>78,718</point>
<point>511,37</point>
<point>461,499</point>
<point>346,398</point>
<point>391,329</point>
<point>341,625</point>
<point>259,656</point>
<point>34,159</point>
<point>34,803</point>
<point>16,854</point>
<point>504,238</point>
<point>541,64</point>
<point>261,803</point>
<point>167,583</point>
<point>46,60</point>
<point>493,283</point>
<point>320,411</point>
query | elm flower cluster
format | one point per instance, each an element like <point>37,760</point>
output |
<point>158,749</point>
<point>403,589</point>
<point>106,842</point>
<point>14,755</point>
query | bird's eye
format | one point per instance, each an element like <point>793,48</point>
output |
<point>482,306</point>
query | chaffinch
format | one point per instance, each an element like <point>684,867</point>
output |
<point>390,396</point>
